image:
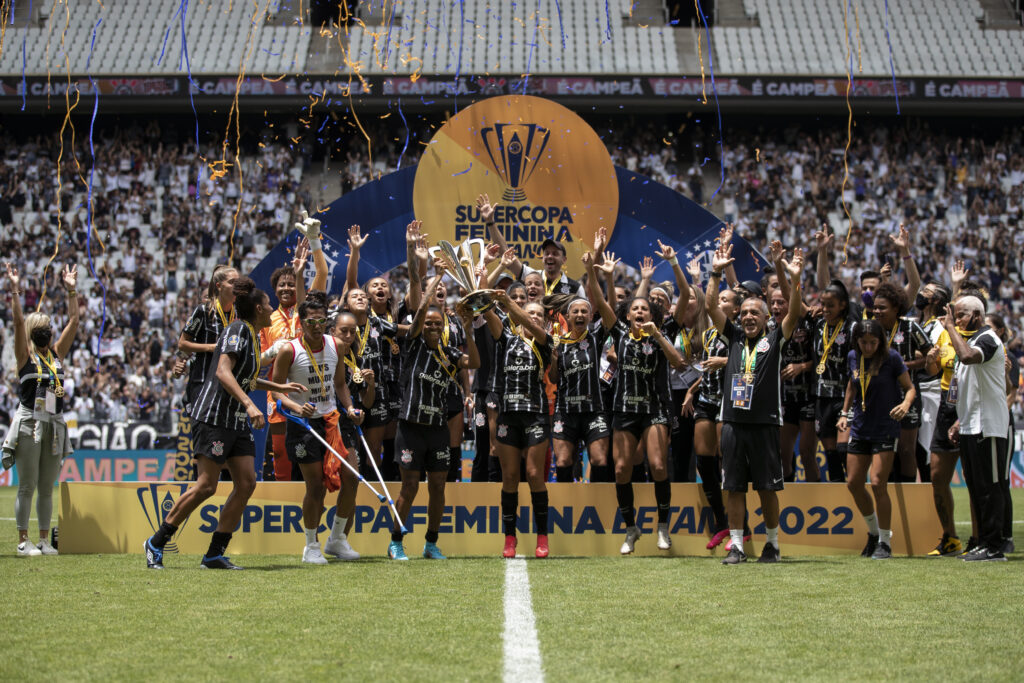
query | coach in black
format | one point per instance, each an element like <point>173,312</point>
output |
<point>752,406</point>
<point>421,442</point>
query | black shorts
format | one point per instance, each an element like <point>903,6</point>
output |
<point>871,446</point>
<point>637,423</point>
<point>394,399</point>
<point>421,447</point>
<point>750,453</point>
<point>380,414</point>
<point>706,411</point>
<point>826,414</point>
<point>522,430</point>
<point>220,443</point>
<point>302,447</point>
<point>945,419</point>
<point>912,420</point>
<point>793,413</point>
<point>576,427</point>
<point>491,401</point>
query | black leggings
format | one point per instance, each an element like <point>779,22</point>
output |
<point>681,441</point>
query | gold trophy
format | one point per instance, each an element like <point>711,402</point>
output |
<point>461,265</point>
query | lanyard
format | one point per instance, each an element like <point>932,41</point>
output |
<point>570,340</point>
<point>289,320</point>
<point>749,359</point>
<point>312,360</point>
<point>828,342</point>
<point>446,331</point>
<point>255,346</point>
<point>51,365</point>
<point>636,339</point>
<point>865,382</point>
<point>224,319</point>
<point>548,289</point>
<point>444,362</point>
<point>357,374</point>
<point>540,362</point>
<point>892,335</point>
<point>709,339</point>
<point>685,340</point>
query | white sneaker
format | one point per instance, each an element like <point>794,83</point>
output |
<point>45,548</point>
<point>339,548</point>
<point>26,549</point>
<point>311,554</point>
<point>632,533</point>
<point>664,540</point>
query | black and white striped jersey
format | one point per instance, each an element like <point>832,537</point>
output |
<point>799,348</point>
<point>204,326</point>
<point>932,329</point>
<point>483,376</point>
<point>426,376</point>
<point>495,377</point>
<point>391,352</point>
<point>907,338</point>
<point>832,382</point>
<point>214,405</point>
<point>373,345</point>
<point>453,334</point>
<point>579,372</point>
<point>641,381</point>
<point>712,346</point>
<point>520,373</point>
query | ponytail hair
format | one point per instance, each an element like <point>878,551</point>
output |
<point>873,328</point>
<point>220,274</point>
<point>247,297</point>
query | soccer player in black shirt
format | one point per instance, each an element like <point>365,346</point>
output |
<point>422,439</point>
<point>640,404</point>
<point>199,338</point>
<point>579,409</point>
<point>704,402</point>
<point>908,339</point>
<point>522,357</point>
<point>752,407</point>
<point>833,339</point>
<point>224,417</point>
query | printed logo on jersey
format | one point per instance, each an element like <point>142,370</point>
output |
<point>762,345</point>
<point>547,172</point>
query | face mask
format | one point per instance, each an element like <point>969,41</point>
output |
<point>868,298</point>
<point>921,302</point>
<point>41,337</point>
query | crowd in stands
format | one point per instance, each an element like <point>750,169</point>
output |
<point>157,235</point>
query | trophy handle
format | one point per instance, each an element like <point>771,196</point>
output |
<point>467,249</point>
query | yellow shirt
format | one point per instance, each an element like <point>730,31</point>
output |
<point>947,359</point>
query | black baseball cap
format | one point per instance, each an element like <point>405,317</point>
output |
<point>553,243</point>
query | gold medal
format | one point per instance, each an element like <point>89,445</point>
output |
<point>59,391</point>
<point>357,376</point>
<point>748,378</point>
<point>820,369</point>
<point>394,347</point>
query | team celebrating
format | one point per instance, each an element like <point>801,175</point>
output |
<point>658,384</point>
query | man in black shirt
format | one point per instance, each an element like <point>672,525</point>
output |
<point>752,406</point>
<point>421,442</point>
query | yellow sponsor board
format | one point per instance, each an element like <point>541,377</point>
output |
<point>546,170</point>
<point>816,519</point>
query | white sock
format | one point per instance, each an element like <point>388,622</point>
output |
<point>872,522</point>
<point>737,538</point>
<point>885,536</point>
<point>338,528</point>
<point>311,537</point>
<point>773,536</point>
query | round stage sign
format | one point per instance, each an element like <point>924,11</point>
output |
<point>546,170</point>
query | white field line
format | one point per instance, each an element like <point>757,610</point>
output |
<point>521,647</point>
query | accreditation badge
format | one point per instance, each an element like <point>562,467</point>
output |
<point>742,392</point>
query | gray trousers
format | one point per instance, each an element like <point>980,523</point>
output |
<point>38,469</point>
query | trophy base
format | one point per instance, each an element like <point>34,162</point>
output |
<point>478,302</point>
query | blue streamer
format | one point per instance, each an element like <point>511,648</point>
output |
<point>608,20</point>
<point>533,44</point>
<point>183,10</point>
<point>92,172</point>
<point>718,109</point>
<point>167,33</point>
<point>558,8</point>
<point>458,66</point>
<point>892,67</point>
<point>406,145</point>
<point>24,84</point>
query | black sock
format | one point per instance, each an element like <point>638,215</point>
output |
<point>624,494</point>
<point>509,510</point>
<point>639,474</point>
<point>396,535</point>
<point>163,534</point>
<point>431,537</point>
<point>836,466</point>
<point>219,543</point>
<point>603,474</point>
<point>711,482</point>
<point>563,473</point>
<point>663,496</point>
<point>388,466</point>
<point>539,500</point>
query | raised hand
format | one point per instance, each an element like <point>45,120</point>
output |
<point>483,202</point>
<point>492,253</point>
<point>776,251</point>
<point>587,259</point>
<point>600,240</point>
<point>722,258</point>
<point>886,273</point>
<point>508,258</point>
<point>949,319</point>
<point>464,312</point>
<point>796,265</point>
<point>609,263</point>
<point>69,277</point>
<point>12,276</point>
<point>309,227</point>
<point>901,241</point>
<point>667,252</point>
<point>726,233</point>
<point>647,268</point>
<point>300,256</point>
<point>958,274</point>
<point>650,328</point>
<point>422,250</point>
<point>412,233</point>
<point>355,239</point>
<point>822,238</point>
<point>693,268</point>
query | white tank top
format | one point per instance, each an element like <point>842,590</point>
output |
<point>321,385</point>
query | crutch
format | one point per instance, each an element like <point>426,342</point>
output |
<point>373,461</point>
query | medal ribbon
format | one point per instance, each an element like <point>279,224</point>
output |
<point>224,319</point>
<point>290,321</point>
<point>829,341</point>
<point>363,337</point>
<point>540,362</point>
<point>570,340</point>
<point>892,335</point>
<point>51,365</point>
<point>709,339</point>
<point>548,289</point>
<point>865,382</point>
<point>685,341</point>
<point>350,360</point>
<point>750,357</point>
<point>255,346</point>
<point>312,360</point>
<point>446,364</point>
